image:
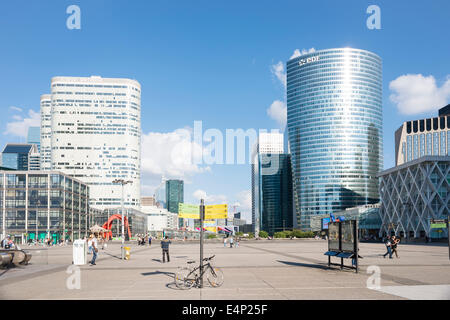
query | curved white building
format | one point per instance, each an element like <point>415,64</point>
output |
<point>95,135</point>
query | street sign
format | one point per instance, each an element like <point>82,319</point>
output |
<point>438,225</point>
<point>189,208</point>
<point>189,215</point>
<point>216,215</point>
<point>216,208</point>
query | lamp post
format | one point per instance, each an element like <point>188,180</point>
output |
<point>122,183</point>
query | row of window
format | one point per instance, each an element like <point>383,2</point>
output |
<point>430,144</point>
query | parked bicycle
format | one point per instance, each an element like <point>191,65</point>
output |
<point>189,277</point>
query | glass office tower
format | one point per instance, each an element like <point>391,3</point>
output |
<point>334,123</point>
<point>174,196</point>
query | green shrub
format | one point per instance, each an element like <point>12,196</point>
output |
<point>251,235</point>
<point>211,236</point>
<point>239,234</point>
<point>280,234</point>
<point>263,234</point>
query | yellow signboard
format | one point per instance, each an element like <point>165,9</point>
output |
<point>188,215</point>
<point>212,229</point>
<point>216,215</point>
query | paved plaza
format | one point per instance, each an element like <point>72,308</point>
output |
<point>257,269</point>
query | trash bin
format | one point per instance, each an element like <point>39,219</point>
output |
<point>127,253</point>
<point>79,252</point>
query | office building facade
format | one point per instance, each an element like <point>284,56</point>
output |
<point>174,194</point>
<point>272,205</point>
<point>41,204</point>
<point>425,137</point>
<point>334,124</point>
<point>412,194</point>
<point>95,135</point>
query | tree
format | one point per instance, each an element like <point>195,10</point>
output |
<point>263,234</point>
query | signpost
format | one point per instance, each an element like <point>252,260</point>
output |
<point>202,212</point>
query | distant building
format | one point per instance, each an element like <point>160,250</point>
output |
<point>272,205</point>
<point>425,137</point>
<point>34,137</point>
<point>160,194</point>
<point>175,196</point>
<point>148,201</point>
<point>20,157</point>
<point>159,219</point>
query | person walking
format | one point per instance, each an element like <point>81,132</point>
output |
<point>150,241</point>
<point>388,244</point>
<point>165,249</point>
<point>231,242</point>
<point>224,242</point>
<point>237,242</point>
<point>94,250</point>
<point>90,243</point>
<point>395,242</point>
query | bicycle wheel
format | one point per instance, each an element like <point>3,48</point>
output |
<point>215,277</point>
<point>180,278</point>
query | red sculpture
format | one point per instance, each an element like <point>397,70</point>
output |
<point>108,225</point>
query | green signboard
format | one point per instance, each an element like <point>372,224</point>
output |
<point>438,225</point>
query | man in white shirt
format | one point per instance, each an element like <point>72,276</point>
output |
<point>94,249</point>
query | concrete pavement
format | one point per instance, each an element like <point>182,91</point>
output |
<point>263,269</point>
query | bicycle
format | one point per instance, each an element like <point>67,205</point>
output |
<point>186,278</point>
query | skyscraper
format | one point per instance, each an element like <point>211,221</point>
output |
<point>334,123</point>
<point>174,194</point>
<point>95,135</point>
<point>271,185</point>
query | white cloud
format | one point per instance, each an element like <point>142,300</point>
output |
<point>278,112</point>
<point>279,72</point>
<point>210,198</point>
<point>171,154</point>
<point>298,53</point>
<point>15,108</point>
<point>19,127</point>
<point>414,94</point>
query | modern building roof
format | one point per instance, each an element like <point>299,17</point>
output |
<point>444,111</point>
<point>18,148</point>
<point>412,163</point>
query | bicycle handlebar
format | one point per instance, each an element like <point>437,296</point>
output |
<point>206,259</point>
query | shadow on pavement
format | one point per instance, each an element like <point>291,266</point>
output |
<point>306,265</point>
<point>169,274</point>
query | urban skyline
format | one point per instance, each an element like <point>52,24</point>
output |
<point>259,67</point>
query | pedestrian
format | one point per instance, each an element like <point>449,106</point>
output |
<point>165,249</point>
<point>388,244</point>
<point>94,250</point>
<point>395,242</point>
<point>231,242</point>
<point>224,242</point>
<point>90,243</point>
<point>150,241</point>
<point>237,242</point>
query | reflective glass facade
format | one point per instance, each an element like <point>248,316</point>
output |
<point>40,203</point>
<point>276,196</point>
<point>334,123</point>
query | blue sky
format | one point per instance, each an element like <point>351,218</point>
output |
<point>212,60</point>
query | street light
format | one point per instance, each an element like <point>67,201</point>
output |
<point>122,182</point>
